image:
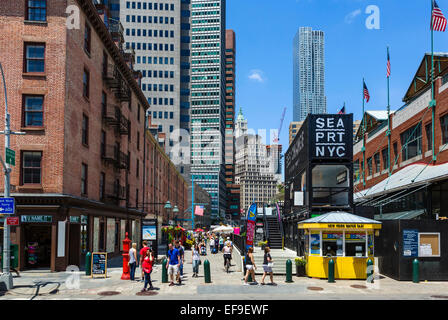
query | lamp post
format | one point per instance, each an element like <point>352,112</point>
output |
<point>175,211</point>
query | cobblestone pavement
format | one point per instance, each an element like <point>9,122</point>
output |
<point>65,286</point>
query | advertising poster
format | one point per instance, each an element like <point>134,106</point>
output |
<point>149,232</point>
<point>251,217</point>
<point>315,243</point>
<point>410,243</point>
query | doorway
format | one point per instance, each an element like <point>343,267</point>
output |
<point>74,244</point>
<point>37,246</point>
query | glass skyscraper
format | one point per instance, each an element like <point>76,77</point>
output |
<point>208,33</point>
<point>309,73</point>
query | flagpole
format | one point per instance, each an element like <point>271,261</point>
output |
<point>363,138</point>
<point>433,102</point>
<point>388,113</point>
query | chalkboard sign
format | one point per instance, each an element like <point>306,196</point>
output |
<point>99,264</point>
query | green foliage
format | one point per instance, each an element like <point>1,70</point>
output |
<point>300,262</point>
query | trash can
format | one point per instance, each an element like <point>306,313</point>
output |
<point>14,257</point>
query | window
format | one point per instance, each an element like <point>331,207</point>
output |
<point>137,168</point>
<point>369,166</point>
<point>31,167</point>
<point>33,111</point>
<point>85,130</point>
<point>444,127</point>
<point>376,158</point>
<point>36,10</point>
<point>103,143</point>
<point>138,140</point>
<point>385,154</point>
<point>103,104</point>
<point>102,185</point>
<point>428,131</point>
<point>355,244</point>
<point>356,173</point>
<point>34,57</point>
<point>411,141</point>
<point>330,185</point>
<point>84,179</point>
<point>395,153</point>
<point>86,83</point>
<point>332,244</point>
<point>87,38</point>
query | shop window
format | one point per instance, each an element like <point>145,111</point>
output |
<point>355,244</point>
<point>332,244</point>
<point>411,140</point>
<point>31,167</point>
<point>330,185</point>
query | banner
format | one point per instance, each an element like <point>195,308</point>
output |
<point>250,232</point>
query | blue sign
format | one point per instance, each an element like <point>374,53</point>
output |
<point>6,205</point>
<point>410,243</point>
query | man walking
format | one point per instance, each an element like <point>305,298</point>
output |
<point>173,264</point>
<point>181,249</point>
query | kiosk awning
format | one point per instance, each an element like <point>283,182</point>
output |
<point>339,220</point>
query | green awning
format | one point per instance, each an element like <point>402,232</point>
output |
<point>404,215</point>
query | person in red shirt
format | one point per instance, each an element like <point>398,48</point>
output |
<point>142,256</point>
<point>147,264</point>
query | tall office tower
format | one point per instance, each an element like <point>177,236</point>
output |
<point>308,73</point>
<point>233,190</point>
<point>160,35</point>
<point>208,100</point>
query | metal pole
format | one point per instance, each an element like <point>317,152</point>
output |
<point>388,118</point>
<point>433,102</point>
<point>192,202</point>
<point>6,277</point>
<point>363,138</point>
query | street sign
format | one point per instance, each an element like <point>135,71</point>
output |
<point>12,221</point>
<point>6,205</point>
<point>10,157</point>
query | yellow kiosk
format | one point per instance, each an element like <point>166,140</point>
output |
<point>346,238</point>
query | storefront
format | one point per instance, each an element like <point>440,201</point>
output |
<point>55,232</point>
<point>343,237</point>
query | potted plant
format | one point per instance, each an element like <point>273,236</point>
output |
<point>300,267</point>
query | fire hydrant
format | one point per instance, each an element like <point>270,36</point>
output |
<point>126,246</point>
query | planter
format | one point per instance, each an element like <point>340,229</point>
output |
<point>300,270</point>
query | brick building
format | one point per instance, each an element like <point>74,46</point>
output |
<point>417,186</point>
<point>85,170</point>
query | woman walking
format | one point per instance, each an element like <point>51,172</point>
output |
<point>195,260</point>
<point>250,266</point>
<point>133,261</point>
<point>148,261</point>
<point>267,266</point>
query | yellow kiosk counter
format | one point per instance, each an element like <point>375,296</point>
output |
<point>346,238</point>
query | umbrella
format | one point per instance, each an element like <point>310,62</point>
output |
<point>223,229</point>
<point>198,230</point>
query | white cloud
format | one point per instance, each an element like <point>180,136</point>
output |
<point>352,15</point>
<point>257,75</point>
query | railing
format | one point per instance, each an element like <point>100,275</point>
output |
<point>115,191</point>
<point>113,116</point>
<point>281,225</point>
<point>112,154</point>
<point>240,243</point>
<point>116,82</point>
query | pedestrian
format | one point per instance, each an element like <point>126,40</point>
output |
<point>173,264</point>
<point>142,256</point>
<point>212,245</point>
<point>228,241</point>
<point>250,266</point>
<point>203,248</point>
<point>195,260</point>
<point>227,253</point>
<point>181,249</point>
<point>267,266</point>
<point>221,243</point>
<point>132,261</point>
<point>148,262</point>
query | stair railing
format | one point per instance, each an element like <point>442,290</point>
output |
<point>281,226</point>
<point>265,226</point>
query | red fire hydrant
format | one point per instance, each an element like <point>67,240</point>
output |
<point>126,246</point>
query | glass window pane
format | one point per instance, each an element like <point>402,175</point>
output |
<point>34,119</point>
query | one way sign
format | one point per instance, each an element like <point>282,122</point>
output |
<point>7,206</point>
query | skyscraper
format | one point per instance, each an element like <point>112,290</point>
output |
<point>159,33</point>
<point>308,73</point>
<point>208,100</point>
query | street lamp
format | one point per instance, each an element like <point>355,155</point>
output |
<point>175,211</point>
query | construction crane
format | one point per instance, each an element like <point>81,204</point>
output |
<point>277,137</point>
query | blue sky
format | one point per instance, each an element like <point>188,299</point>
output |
<point>264,33</point>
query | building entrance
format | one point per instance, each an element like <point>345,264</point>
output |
<point>37,246</point>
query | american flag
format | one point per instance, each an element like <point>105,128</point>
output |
<point>438,20</point>
<point>388,63</point>
<point>342,111</point>
<point>199,210</point>
<point>366,93</point>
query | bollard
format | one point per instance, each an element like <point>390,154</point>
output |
<point>415,271</point>
<point>207,272</point>
<point>331,271</point>
<point>164,271</point>
<point>369,272</point>
<point>288,271</point>
<point>88,263</point>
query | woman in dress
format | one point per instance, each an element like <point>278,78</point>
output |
<point>195,260</point>
<point>148,262</point>
<point>250,266</point>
